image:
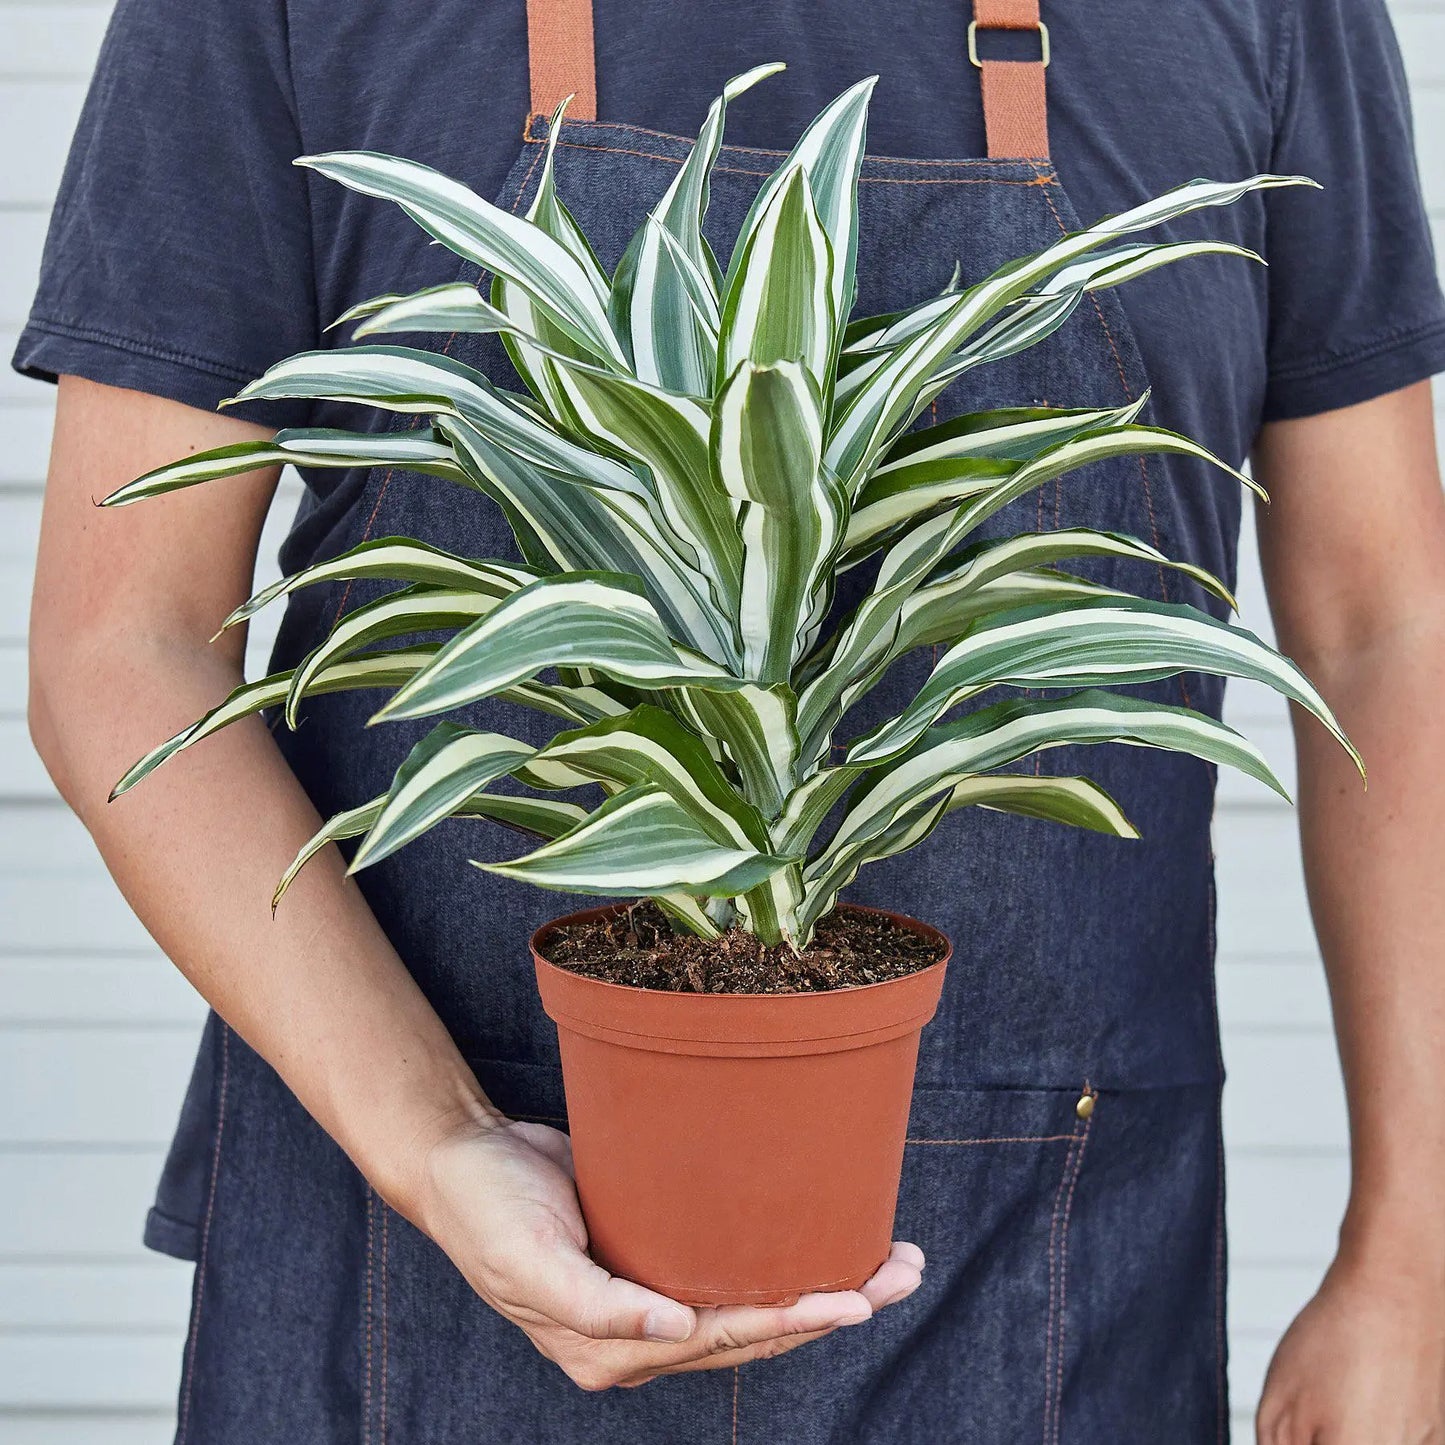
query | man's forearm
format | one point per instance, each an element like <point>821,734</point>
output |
<point>197,850</point>
<point>1372,862</point>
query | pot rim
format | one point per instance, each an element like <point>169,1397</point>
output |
<point>911,924</point>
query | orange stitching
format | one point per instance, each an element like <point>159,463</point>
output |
<point>1053,1282</point>
<point>1064,1281</point>
<point>205,1237</point>
<point>737,1388</point>
<point>688,140</point>
<point>370,1279</point>
<point>1037,180</point>
<point>1001,1139</point>
<point>385,1342</point>
<point>386,480</point>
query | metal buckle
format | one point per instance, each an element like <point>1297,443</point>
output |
<point>973,43</point>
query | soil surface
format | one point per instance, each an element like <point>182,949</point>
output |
<point>638,947</point>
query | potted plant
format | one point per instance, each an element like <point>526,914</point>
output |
<point>699,453</point>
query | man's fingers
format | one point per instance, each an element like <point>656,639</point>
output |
<point>737,1327</point>
<point>896,1278</point>
<point>581,1296</point>
<point>767,1350</point>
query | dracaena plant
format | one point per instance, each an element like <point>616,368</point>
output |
<point>699,454</point>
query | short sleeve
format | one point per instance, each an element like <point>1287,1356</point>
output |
<point>178,260</point>
<point>1355,303</point>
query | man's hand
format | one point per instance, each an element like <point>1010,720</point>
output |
<point>1363,1364</point>
<point>500,1200</point>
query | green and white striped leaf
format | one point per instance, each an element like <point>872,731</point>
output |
<point>684,205</point>
<point>1077,802</point>
<point>1034,312</point>
<point>404,379</point>
<point>600,622</point>
<point>567,524</point>
<point>549,213</point>
<point>890,502</point>
<point>417,451</point>
<point>350,824</point>
<point>757,726</point>
<point>1017,434</point>
<point>440,774</point>
<point>665,304</point>
<point>455,307</point>
<point>669,435</point>
<point>406,613</point>
<point>530,321</point>
<point>779,303</point>
<point>890,397</point>
<point>933,615</point>
<point>767,444</point>
<point>667,309</point>
<point>493,238</point>
<point>869,634</point>
<point>1004,733</point>
<point>830,154</point>
<point>394,559</point>
<point>648,745</point>
<point>379,669</point>
<point>641,841</point>
<point>542,817</point>
<point>1113,643</point>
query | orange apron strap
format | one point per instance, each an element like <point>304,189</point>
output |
<point>560,52</point>
<point>1015,114</point>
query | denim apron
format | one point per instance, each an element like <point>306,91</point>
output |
<point>1063,1169</point>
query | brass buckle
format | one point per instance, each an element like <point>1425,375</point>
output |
<point>973,43</point>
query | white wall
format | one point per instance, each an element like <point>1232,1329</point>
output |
<point>97,1031</point>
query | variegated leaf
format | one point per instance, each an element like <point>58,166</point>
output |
<point>487,235</point>
<point>1002,734</point>
<point>600,621</point>
<point>648,745</point>
<point>454,307</point>
<point>779,303</point>
<point>410,612</point>
<point>880,408</point>
<point>379,669</point>
<point>641,841</point>
<point>1116,642</point>
<point>1077,802</point>
<point>417,451</point>
<point>767,444</point>
<point>394,559</point>
<point>830,154</point>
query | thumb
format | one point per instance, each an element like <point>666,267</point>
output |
<point>581,1296</point>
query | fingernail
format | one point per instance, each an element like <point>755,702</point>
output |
<point>667,1322</point>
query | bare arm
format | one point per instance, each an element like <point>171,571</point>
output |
<point>124,603</point>
<point>1353,548</point>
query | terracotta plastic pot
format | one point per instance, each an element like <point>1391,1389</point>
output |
<point>738,1148</point>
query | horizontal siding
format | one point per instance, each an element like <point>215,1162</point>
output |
<point>97,1030</point>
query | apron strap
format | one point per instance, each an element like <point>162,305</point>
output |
<point>562,59</point>
<point>560,53</point>
<point>1015,115</point>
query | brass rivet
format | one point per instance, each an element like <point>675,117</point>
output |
<point>1085,1107</point>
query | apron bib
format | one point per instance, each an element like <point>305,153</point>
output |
<point>1063,1172</point>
